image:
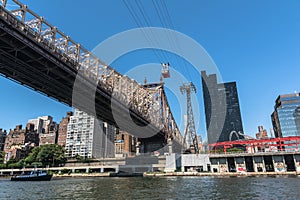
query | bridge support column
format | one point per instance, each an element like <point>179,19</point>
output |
<point>264,165</point>
<point>259,165</point>
<point>240,164</point>
<point>170,145</point>
<point>101,170</point>
<point>138,149</point>
<point>87,170</point>
<point>117,169</point>
<point>73,170</point>
<point>223,165</point>
<point>278,163</point>
<point>297,163</point>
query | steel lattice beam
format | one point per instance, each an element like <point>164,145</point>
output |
<point>37,54</point>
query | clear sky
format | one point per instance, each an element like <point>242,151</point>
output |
<point>255,43</point>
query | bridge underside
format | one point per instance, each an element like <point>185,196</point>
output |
<point>27,62</point>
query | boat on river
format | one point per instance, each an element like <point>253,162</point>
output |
<point>35,175</point>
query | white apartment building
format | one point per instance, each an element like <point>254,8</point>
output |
<point>89,137</point>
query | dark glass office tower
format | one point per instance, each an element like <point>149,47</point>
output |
<point>286,115</point>
<point>222,109</point>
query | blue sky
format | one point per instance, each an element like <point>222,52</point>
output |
<point>255,43</point>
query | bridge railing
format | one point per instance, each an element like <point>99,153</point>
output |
<point>146,102</point>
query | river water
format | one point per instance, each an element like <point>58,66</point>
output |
<point>277,187</point>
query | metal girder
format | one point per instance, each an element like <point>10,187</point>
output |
<point>47,49</point>
<point>190,135</point>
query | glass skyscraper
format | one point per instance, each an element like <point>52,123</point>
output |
<point>222,109</point>
<point>286,115</point>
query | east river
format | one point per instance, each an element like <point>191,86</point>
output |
<point>277,187</point>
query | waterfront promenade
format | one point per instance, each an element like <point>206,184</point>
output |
<point>238,164</point>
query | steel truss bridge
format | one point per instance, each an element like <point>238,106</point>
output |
<point>39,56</point>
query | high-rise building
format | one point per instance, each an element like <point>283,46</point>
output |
<point>63,128</point>
<point>2,138</point>
<point>107,140</point>
<point>89,137</point>
<point>222,109</point>
<point>41,124</point>
<point>19,142</point>
<point>286,115</point>
<point>48,138</point>
<point>46,128</point>
<point>262,133</point>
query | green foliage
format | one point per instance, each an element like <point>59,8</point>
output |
<point>32,157</point>
<point>49,154</point>
<point>38,164</point>
<point>218,151</point>
<point>3,166</point>
<point>1,156</point>
<point>229,150</point>
<point>13,163</point>
<point>78,158</point>
<point>66,171</point>
<point>234,150</point>
<point>50,172</point>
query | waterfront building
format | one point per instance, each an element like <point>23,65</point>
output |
<point>107,139</point>
<point>62,130</point>
<point>286,115</point>
<point>19,142</point>
<point>262,133</point>
<point>2,138</point>
<point>89,137</point>
<point>47,138</point>
<point>31,136</point>
<point>46,128</point>
<point>124,144</point>
<point>44,124</point>
<point>222,109</point>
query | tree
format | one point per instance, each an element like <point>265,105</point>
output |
<point>52,155</point>
<point>1,156</point>
<point>32,157</point>
<point>49,154</point>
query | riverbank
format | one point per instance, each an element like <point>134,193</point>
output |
<point>169,174</point>
<point>82,175</point>
<point>237,174</point>
<point>161,174</point>
<point>108,174</point>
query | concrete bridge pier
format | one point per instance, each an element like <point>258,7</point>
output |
<point>259,164</point>
<point>279,163</point>
<point>297,163</point>
<point>240,164</point>
<point>117,169</point>
<point>170,145</point>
